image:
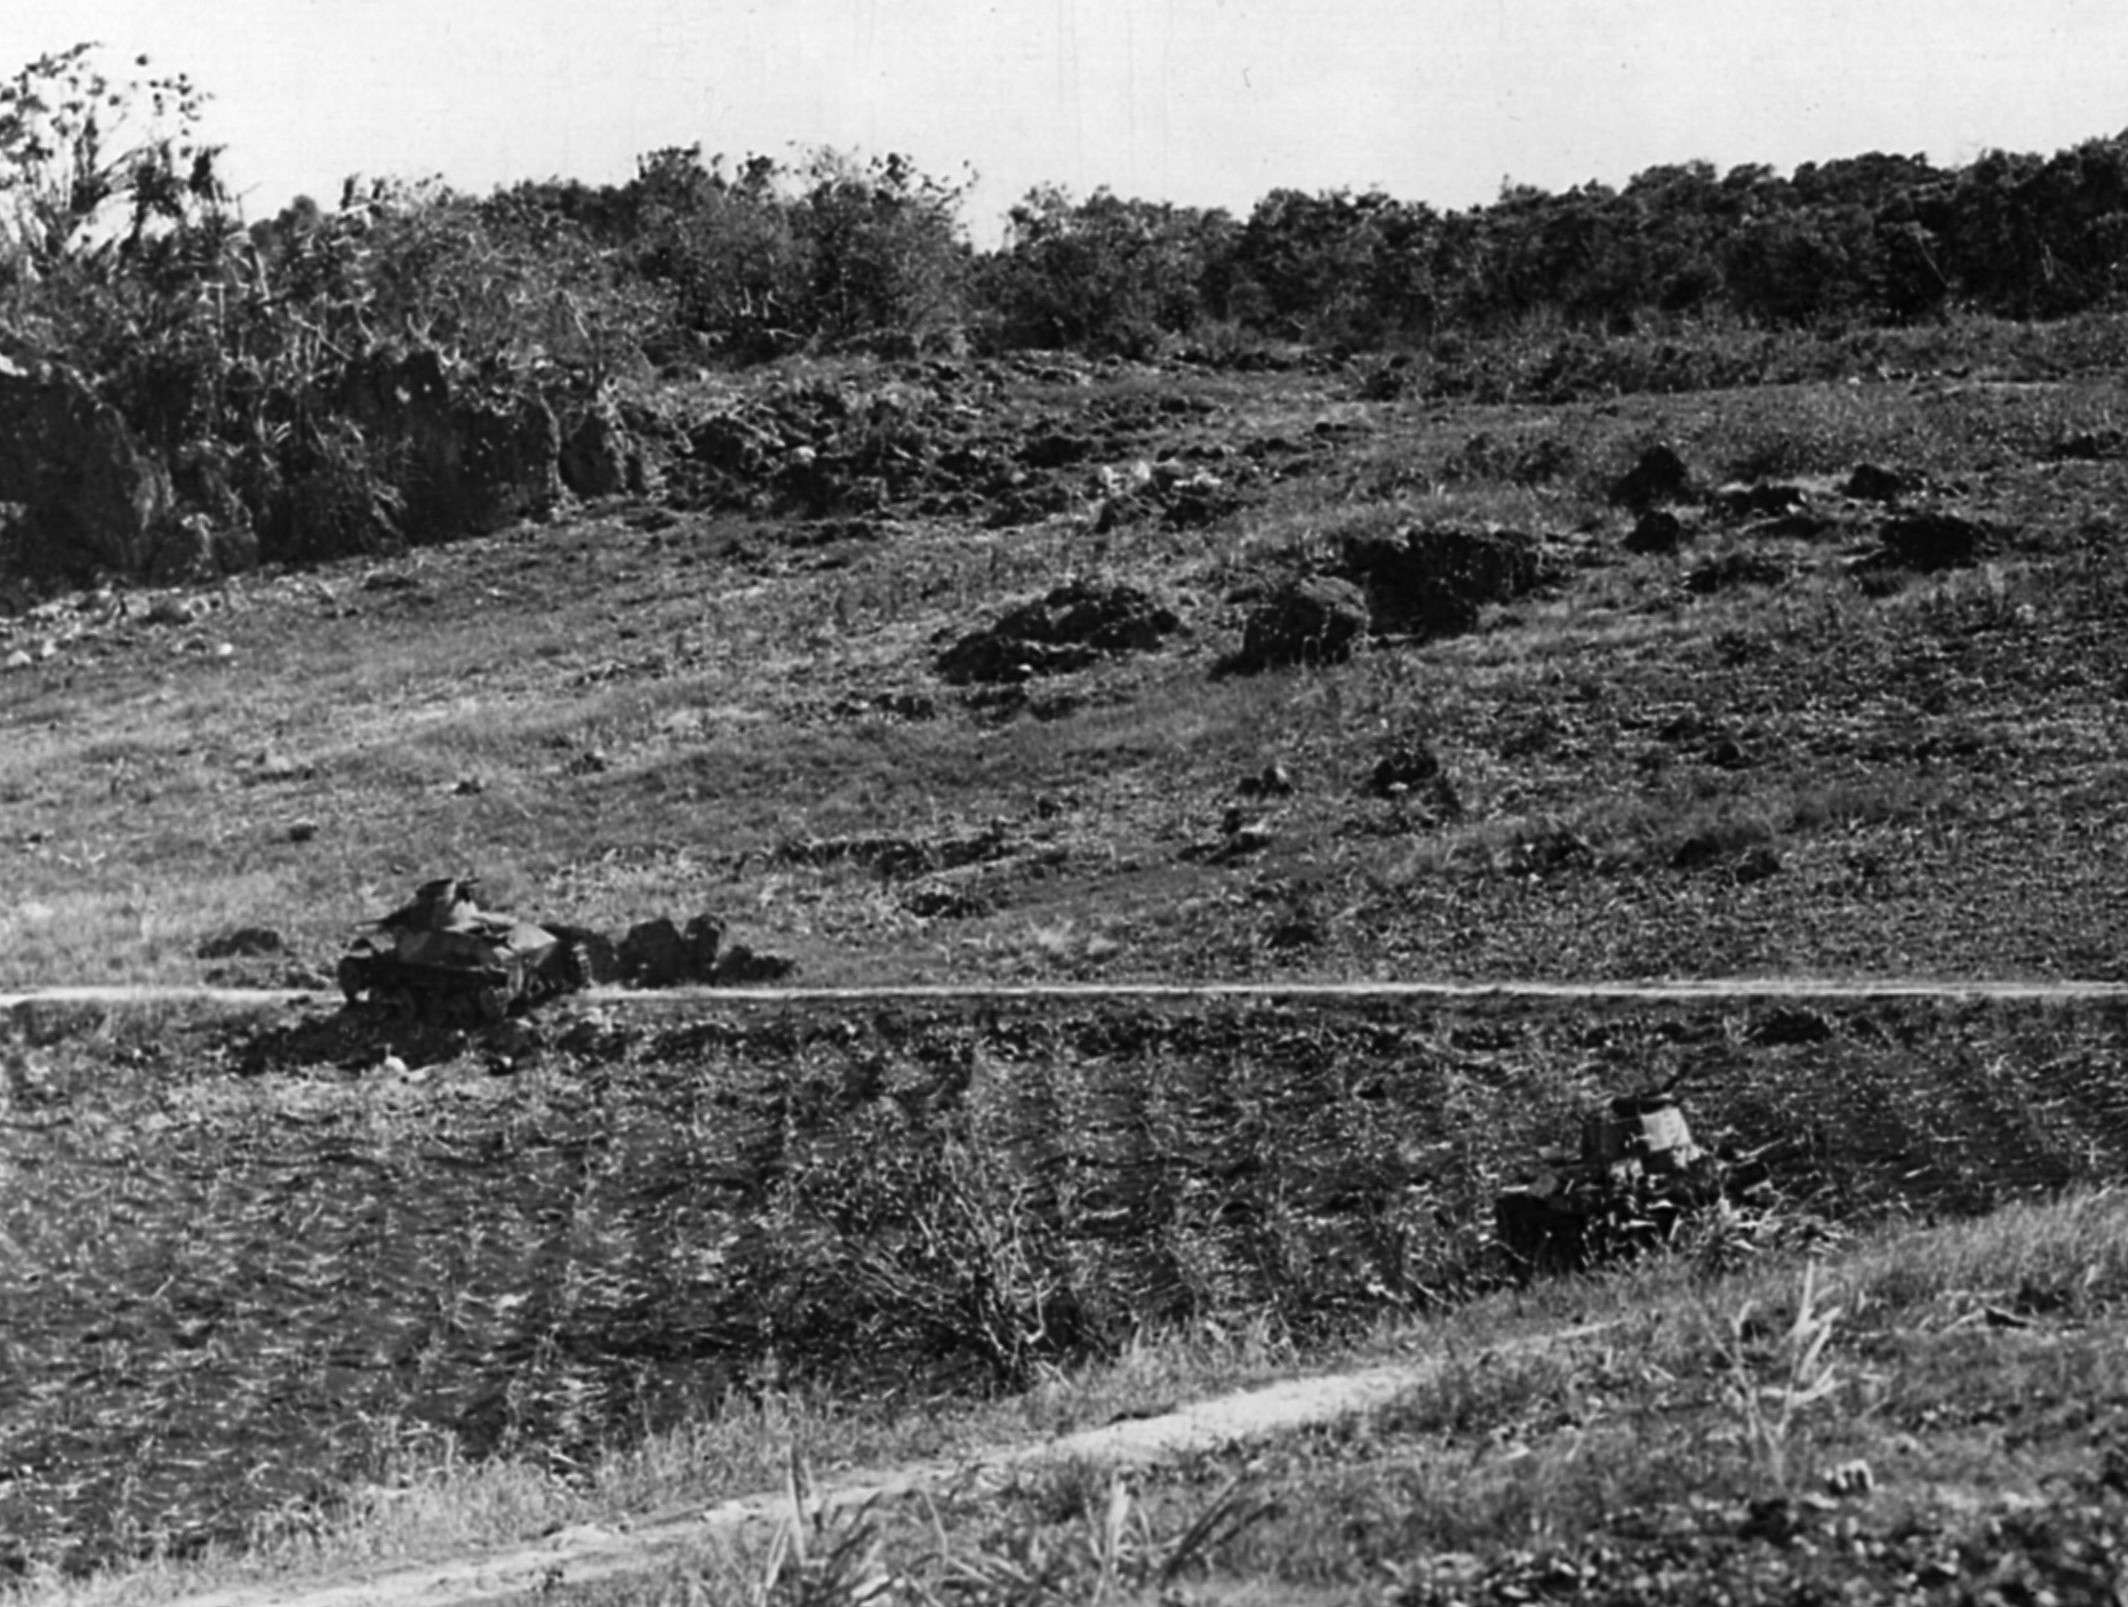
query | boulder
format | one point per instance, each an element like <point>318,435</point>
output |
<point>1931,541</point>
<point>1871,482</point>
<point>658,954</point>
<point>1658,530</point>
<point>1433,582</point>
<point>79,496</point>
<point>653,954</point>
<point>1659,476</point>
<point>595,454</point>
<point>1308,619</point>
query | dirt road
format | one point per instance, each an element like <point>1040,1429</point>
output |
<point>1673,989</point>
<point>587,1554</point>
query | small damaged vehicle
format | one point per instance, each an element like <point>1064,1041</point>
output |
<point>444,959</point>
<point>1635,1177</point>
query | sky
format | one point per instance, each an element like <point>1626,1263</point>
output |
<point>1203,102</point>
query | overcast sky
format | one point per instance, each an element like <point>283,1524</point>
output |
<point>1211,102</point>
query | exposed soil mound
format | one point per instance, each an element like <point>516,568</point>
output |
<point>1075,625</point>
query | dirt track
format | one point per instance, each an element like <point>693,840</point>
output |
<point>589,1553</point>
<point>1694,988</point>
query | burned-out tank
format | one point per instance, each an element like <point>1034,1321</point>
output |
<point>1637,1174</point>
<point>445,958</point>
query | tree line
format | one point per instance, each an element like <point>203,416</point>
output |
<point>226,342</point>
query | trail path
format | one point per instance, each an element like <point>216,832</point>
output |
<point>1673,989</point>
<point>590,1553</point>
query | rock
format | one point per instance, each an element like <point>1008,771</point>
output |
<point>591,762</point>
<point>1055,449</point>
<point>1870,482</point>
<point>658,954</point>
<point>701,937</point>
<point>944,901</point>
<point>740,966</point>
<point>1272,781</point>
<point>594,458</point>
<point>1432,582</point>
<point>1410,773</point>
<point>1201,499</point>
<point>1660,476</point>
<point>1755,864</point>
<point>1068,628</point>
<point>1658,530</point>
<point>241,942</point>
<point>1932,541</point>
<point>302,831</point>
<point>1735,569</point>
<point>91,499</point>
<point>653,954</point>
<point>1726,753</point>
<point>172,608</point>
<point>1309,619</point>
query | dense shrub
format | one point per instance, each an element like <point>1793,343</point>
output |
<point>232,351</point>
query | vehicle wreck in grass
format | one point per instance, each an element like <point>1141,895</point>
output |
<point>443,958</point>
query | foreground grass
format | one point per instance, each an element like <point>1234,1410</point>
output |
<point>1928,1414</point>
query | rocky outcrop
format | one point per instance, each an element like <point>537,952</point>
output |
<point>80,499</point>
<point>469,458</point>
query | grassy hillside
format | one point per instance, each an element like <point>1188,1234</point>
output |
<point>1780,748</point>
<point>961,680</point>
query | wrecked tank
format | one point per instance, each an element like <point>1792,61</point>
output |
<point>444,958</point>
<point>1637,1174</point>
